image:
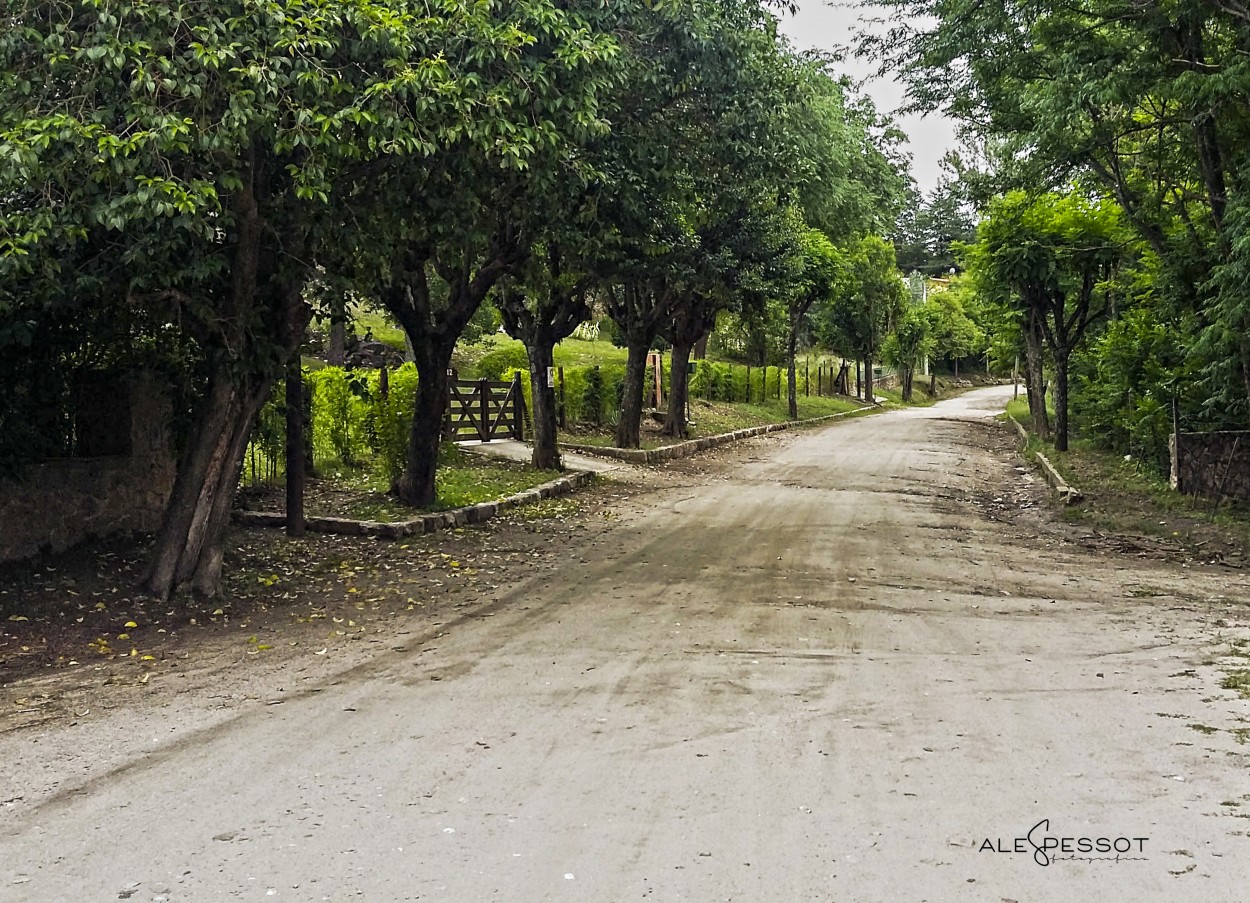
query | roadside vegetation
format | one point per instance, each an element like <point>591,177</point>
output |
<point>1124,496</point>
<point>305,224</point>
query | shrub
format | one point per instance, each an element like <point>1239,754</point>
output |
<point>339,405</point>
<point>497,364</point>
<point>391,417</point>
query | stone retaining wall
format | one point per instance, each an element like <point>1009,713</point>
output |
<point>56,504</point>
<point>423,523</point>
<point>694,446</point>
<point>1212,464</point>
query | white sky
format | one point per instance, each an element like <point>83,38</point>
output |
<point>824,26</point>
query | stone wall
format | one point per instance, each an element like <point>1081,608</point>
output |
<point>1212,464</point>
<point>57,504</point>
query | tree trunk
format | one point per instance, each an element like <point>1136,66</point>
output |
<point>296,476</point>
<point>415,485</point>
<point>1245,360</point>
<point>1034,360</point>
<point>1061,402</point>
<point>336,350</point>
<point>678,392</point>
<point>792,393</point>
<point>540,352</point>
<point>907,374</point>
<point>192,530</point>
<point>629,426</point>
<point>868,396</point>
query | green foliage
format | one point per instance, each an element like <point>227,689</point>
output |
<point>390,418</point>
<point>591,393</point>
<point>910,342</point>
<point>870,299</point>
<point>340,405</point>
<point>495,364</point>
<point>953,335</point>
<point>1127,381</point>
<point>1143,103</point>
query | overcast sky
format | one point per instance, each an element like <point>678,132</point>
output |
<point>824,26</point>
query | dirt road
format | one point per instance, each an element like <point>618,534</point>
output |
<point>832,673</point>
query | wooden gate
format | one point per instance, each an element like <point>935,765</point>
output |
<point>485,409</point>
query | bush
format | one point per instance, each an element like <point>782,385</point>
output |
<point>339,405</point>
<point>591,394</point>
<point>498,363</point>
<point>391,418</point>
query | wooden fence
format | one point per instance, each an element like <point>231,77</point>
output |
<point>485,409</point>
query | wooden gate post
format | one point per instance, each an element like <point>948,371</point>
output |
<point>518,409</point>
<point>451,381</point>
<point>483,426</point>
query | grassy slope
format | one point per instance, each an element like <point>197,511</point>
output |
<point>1122,495</point>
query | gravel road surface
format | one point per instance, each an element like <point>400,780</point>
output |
<point>833,672</point>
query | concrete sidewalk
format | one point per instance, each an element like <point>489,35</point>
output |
<point>521,451</point>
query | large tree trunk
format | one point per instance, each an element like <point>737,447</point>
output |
<point>1061,402</point>
<point>432,328</point>
<point>908,374</point>
<point>540,351</point>
<point>415,485</point>
<point>296,475</point>
<point>1245,361</point>
<point>629,426</point>
<point>678,393</point>
<point>188,544</point>
<point>336,349</point>
<point>1034,360</point>
<point>792,392</point>
<point>868,396</point>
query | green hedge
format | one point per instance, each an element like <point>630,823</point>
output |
<point>353,425</point>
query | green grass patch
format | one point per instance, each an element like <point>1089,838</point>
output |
<point>1238,681</point>
<point>1123,495</point>
<point>379,325</point>
<point>362,492</point>
<point>569,353</point>
<point>467,479</point>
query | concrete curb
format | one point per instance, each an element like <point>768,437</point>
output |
<point>1069,494</point>
<point>694,446</point>
<point>424,523</point>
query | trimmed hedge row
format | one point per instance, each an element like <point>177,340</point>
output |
<point>354,423</point>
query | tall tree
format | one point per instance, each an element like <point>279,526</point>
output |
<point>817,279</point>
<point>467,220</point>
<point>871,299</point>
<point>543,307</point>
<point>202,142</point>
<point>1053,255</point>
<point>908,345</point>
<point>1143,102</point>
<point>696,132</point>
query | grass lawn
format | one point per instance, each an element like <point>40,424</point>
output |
<point>712,418</point>
<point>361,492</point>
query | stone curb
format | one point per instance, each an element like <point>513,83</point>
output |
<point>1069,494</point>
<point>424,523</point>
<point>694,446</point>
